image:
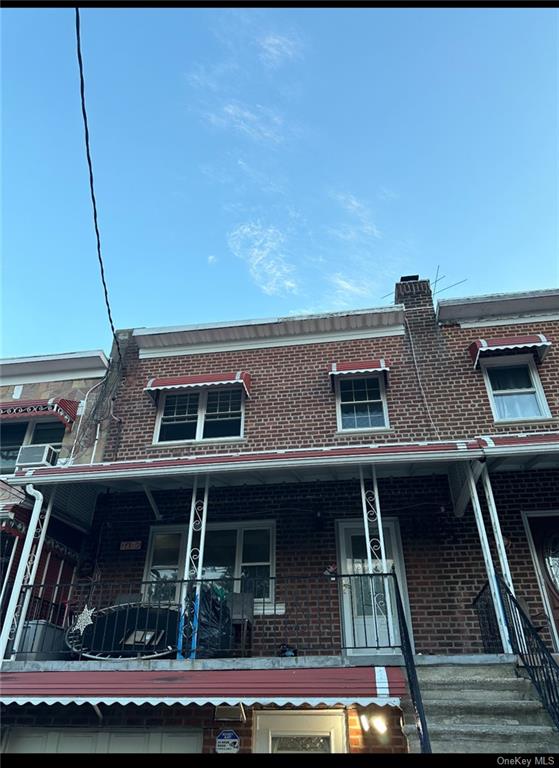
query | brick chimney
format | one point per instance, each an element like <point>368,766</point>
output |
<point>413,293</point>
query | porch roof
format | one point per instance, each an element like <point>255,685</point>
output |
<point>293,464</point>
<point>329,686</point>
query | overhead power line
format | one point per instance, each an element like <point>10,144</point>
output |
<point>91,185</point>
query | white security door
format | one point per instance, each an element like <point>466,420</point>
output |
<point>321,731</point>
<point>370,620</point>
<point>85,741</point>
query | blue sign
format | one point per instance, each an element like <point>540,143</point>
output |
<point>227,741</point>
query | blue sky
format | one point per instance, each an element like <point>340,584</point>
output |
<point>266,162</point>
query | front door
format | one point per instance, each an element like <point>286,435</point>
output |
<point>545,535</point>
<point>370,621</point>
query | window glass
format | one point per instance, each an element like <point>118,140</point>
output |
<point>223,413</point>
<point>283,744</point>
<point>11,440</point>
<point>165,565</point>
<point>219,554</point>
<point>180,415</point>
<point>256,546</point>
<point>514,394</point>
<point>48,433</point>
<point>517,377</point>
<point>361,403</point>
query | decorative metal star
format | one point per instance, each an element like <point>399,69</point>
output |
<point>84,619</point>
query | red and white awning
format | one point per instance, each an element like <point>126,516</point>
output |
<point>536,343</point>
<point>359,366</point>
<point>64,410</point>
<point>298,686</point>
<point>201,380</point>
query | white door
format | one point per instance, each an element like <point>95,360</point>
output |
<point>91,741</point>
<point>370,620</point>
<point>304,732</point>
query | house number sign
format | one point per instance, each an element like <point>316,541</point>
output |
<point>127,545</point>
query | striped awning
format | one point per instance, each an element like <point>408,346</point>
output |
<point>361,367</point>
<point>242,378</point>
<point>502,345</point>
<point>64,410</point>
<point>327,685</point>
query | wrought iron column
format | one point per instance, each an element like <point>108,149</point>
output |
<point>194,559</point>
<point>374,540</point>
<point>499,542</point>
<point>486,552</point>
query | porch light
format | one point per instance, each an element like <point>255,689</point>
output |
<point>232,713</point>
<point>364,723</point>
<point>379,724</point>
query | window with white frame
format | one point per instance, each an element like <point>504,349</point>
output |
<point>361,403</point>
<point>241,555</point>
<point>17,433</point>
<point>200,415</point>
<point>514,388</point>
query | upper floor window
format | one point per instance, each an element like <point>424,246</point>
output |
<point>361,403</point>
<point>515,390</point>
<point>200,415</point>
<point>17,433</point>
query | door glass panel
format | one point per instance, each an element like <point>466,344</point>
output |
<point>165,565</point>
<point>301,744</point>
<point>256,546</point>
<point>219,554</point>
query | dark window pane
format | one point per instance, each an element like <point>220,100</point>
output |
<point>256,546</point>
<point>166,547</point>
<point>517,377</point>
<point>222,428</point>
<point>181,405</point>
<point>256,580</point>
<point>13,434</point>
<point>50,433</point>
<point>219,554</point>
<point>180,431</point>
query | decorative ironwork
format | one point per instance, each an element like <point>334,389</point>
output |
<point>84,619</point>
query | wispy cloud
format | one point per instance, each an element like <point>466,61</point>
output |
<point>276,50</point>
<point>345,285</point>
<point>263,249</point>
<point>212,259</point>
<point>360,224</point>
<point>258,122</point>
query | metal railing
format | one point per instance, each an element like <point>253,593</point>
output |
<point>413,682</point>
<point>525,641</point>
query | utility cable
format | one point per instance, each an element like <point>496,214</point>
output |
<point>91,185</point>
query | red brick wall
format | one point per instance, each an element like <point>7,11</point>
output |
<point>442,553</point>
<point>292,403</point>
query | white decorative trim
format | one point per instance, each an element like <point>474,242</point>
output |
<point>288,341</point>
<point>347,701</point>
<point>509,320</point>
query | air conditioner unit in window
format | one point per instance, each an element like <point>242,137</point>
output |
<point>36,456</point>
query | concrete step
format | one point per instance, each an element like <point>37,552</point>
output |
<point>477,689</point>
<point>489,712</point>
<point>486,738</point>
<point>465,671</point>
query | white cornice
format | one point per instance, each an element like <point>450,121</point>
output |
<point>64,367</point>
<point>499,305</point>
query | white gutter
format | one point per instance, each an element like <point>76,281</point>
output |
<point>20,574</point>
<point>240,466</point>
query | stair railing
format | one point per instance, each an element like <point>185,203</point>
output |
<point>413,682</point>
<point>526,643</point>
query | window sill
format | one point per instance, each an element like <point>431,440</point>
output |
<point>372,431</point>
<point>539,420</point>
<point>207,441</point>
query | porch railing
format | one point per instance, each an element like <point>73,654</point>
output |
<point>525,640</point>
<point>329,614</point>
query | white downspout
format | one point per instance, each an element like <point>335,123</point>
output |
<point>22,566</point>
<point>499,542</point>
<point>9,568</point>
<point>34,569</point>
